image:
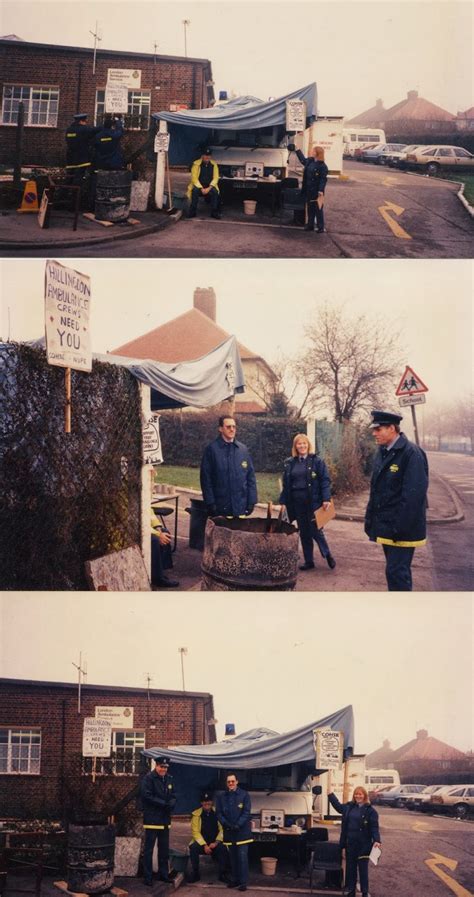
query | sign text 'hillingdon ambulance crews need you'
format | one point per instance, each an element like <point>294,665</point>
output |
<point>67,298</point>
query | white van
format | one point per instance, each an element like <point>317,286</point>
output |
<point>353,138</point>
<point>376,779</point>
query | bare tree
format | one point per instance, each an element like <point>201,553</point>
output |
<point>350,363</point>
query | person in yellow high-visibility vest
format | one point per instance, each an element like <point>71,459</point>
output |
<point>204,183</point>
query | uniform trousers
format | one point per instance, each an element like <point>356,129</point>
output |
<point>239,863</point>
<point>163,838</point>
<point>398,568</point>
<point>354,863</point>
<point>308,529</point>
<point>315,212</point>
<point>212,197</point>
<point>219,855</point>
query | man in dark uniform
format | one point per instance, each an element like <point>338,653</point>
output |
<point>204,182</point>
<point>396,512</point>
<point>108,152</point>
<point>228,483</point>
<point>158,801</point>
<point>78,148</point>
<point>233,810</point>
<point>207,838</point>
<point>315,176</point>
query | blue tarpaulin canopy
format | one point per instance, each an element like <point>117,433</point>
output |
<point>243,113</point>
<point>195,767</point>
<point>190,129</point>
<point>202,383</point>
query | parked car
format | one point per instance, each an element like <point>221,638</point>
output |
<point>457,799</point>
<point>398,159</point>
<point>398,795</point>
<point>357,154</point>
<point>374,793</point>
<point>379,154</point>
<point>433,159</point>
<point>420,801</point>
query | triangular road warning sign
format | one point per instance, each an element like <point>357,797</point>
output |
<point>410,383</point>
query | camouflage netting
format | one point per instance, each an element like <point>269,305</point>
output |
<point>65,498</point>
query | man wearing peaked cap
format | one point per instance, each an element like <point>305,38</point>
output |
<point>396,511</point>
<point>78,149</point>
<point>207,838</point>
<point>204,182</point>
<point>158,801</point>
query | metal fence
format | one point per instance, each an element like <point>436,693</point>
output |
<point>65,498</point>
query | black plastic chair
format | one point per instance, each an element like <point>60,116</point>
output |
<point>326,857</point>
<point>291,200</point>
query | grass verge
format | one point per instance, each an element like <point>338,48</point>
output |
<point>468,181</point>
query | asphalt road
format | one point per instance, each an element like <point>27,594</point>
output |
<point>376,213</point>
<point>452,545</point>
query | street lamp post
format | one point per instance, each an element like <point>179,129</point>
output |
<point>186,22</point>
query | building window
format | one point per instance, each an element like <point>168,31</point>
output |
<point>125,758</point>
<point>40,103</point>
<point>138,110</point>
<point>20,751</point>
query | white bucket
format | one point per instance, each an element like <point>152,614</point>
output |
<point>249,206</point>
<point>269,865</point>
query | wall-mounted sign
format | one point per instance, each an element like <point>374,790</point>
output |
<point>124,77</point>
<point>118,717</point>
<point>152,452</point>
<point>328,747</point>
<point>116,99</point>
<point>96,737</point>
<point>295,115</point>
<point>67,298</point>
<point>162,141</point>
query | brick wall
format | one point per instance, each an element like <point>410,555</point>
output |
<point>166,719</point>
<point>180,80</point>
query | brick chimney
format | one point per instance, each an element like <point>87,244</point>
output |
<point>205,301</point>
<point>422,733</point>
<point>379,104</point>
<point>412,95</point>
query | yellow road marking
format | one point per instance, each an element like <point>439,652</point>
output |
<point>393,225</point>
<point>389,182</point>
<point>422,827</point>
<point>438,860</point>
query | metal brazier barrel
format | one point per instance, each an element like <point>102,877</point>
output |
<point>240,555</point>
<point>197,523</point>
<point>112,195</point>
<point>90,858</point>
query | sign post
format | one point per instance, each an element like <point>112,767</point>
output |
<point>411,391</point>
<point>67,296</point>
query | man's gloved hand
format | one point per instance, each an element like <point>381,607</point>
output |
<point>211,510</point>
<point>291,147</point>
<point>249,510</point>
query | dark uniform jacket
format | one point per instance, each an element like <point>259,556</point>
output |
<point>108,152</point>
<point>369,825</point>
<point>396,512</point>
<point>78,145</point>
<point>317,481</point>
<point>315,175</point>
<point>228,477</point>
<point>233,812</point>
<point>158,800</point>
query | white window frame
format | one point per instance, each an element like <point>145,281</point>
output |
<point>134,740</point>
<point>34,98</point>
<point>17,752</point>
<point>137,98</point>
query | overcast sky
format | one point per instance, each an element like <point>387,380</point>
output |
<point>271,659</point>
<point>267,305</point>
<point>355,51</point>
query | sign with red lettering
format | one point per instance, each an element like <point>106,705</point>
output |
<point>67,298</point>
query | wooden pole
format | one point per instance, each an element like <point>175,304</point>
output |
<point>170,204</point>
<point>67,406</point>
<point>94,765</point>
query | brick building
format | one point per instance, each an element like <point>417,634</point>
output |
<point>55,82</point>
<point>41,739</point>
<point>424,759</point>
